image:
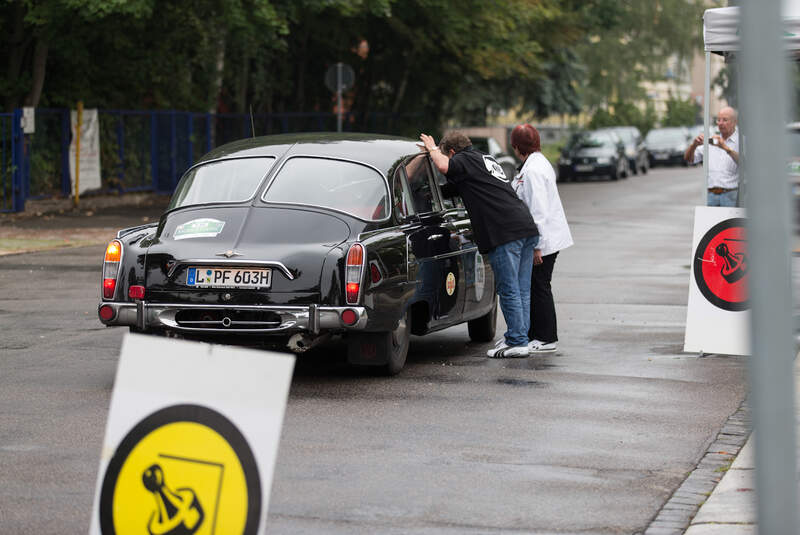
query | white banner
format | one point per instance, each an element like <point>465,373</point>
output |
<point>191,438</point>
<point>90,150</point>
<point>718,313</point>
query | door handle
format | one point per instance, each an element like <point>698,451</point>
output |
<point>435,237</point>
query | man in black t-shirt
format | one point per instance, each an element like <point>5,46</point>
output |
<point>503,227</point>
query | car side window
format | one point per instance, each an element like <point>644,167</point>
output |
<point>401,196</point>
<point>420,185</point>
<point>449,200</point>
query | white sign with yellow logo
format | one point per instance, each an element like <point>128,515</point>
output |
<point>191,439</point>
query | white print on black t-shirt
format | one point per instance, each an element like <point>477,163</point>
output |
<point>494,168</point>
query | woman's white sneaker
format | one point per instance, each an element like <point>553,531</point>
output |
<point>537,346</point>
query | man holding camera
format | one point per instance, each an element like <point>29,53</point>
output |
<point>723,160</point>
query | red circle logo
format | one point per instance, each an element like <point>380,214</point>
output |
<point>721,265</point>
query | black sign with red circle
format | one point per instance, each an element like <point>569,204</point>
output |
<point>720,265</point>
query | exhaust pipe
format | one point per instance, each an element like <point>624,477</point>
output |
<point>302,342</point>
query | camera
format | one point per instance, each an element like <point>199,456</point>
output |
<point>713,141</point>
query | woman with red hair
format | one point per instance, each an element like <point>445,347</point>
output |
<point>535,184</point>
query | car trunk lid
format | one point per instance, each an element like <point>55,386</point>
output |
<point>291,243</point>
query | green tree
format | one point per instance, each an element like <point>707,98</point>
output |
<point>681,112</point>
<point>640,41</point>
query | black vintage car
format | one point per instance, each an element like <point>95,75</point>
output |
<point>296,239</point>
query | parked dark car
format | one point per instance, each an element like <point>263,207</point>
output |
<point>667,145</point>
<point>635,148</point>
<point>490,146</point>
<point>695,130</point>
<point>296,239</point>
<point>593,153</point>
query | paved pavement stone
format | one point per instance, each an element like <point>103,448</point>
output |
<point>669,524</point>
<point>722,529</point>
<point>655,530</point>
<point>682,517</point>
<point>679,507</point>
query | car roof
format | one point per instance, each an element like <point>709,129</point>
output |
<point>380,151</point>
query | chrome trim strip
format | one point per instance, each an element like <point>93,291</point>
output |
<point>145,315</point>
<point>133,230</point>
<point>229,263</point>
<point>455,253</point>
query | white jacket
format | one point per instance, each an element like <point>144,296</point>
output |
<point>535,184</point>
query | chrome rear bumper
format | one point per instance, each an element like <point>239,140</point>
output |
<point>312,318</point>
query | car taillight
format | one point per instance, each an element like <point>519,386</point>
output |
<point>349,316</point>
<point>353,270</point>
<point>111,268</point>
<point>106,312</point>
<point>136,292</point>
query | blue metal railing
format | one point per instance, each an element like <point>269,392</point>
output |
<point>6,162</point>
<point>143,150</point>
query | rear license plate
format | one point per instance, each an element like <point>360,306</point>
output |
<point>582,168</point>
<point>205,277</point>
<point>661,156</point>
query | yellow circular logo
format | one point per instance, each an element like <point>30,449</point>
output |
<point>450,284</point>
<point>184,470</point>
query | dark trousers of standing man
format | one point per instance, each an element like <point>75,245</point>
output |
<point>543,309</point>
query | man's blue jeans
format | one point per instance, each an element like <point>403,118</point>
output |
<point>728,198</point>
<point>512,264</point>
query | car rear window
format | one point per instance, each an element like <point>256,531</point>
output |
<point>231,180</point>
<point>340,185</point>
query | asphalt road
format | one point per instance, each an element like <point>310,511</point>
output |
<point>591,439</point>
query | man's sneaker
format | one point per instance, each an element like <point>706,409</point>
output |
<point>504,351</point>
<point>537,346</point>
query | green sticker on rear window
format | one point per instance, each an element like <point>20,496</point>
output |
<point>199,228</point>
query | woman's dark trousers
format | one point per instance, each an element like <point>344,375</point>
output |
<point>543,309</point>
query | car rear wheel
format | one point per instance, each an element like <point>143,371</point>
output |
<point>384,352</point>
<point>482,329</point>
<point>614,174</point>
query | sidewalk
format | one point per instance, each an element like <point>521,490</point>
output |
<point>731,507</point>
<point>56,223</point>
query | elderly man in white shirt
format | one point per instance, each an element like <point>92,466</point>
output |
<point>723,160</point>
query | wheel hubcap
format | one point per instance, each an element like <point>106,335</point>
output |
<point>399,334</point>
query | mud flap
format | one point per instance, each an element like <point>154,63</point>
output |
<point>367,349</point>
